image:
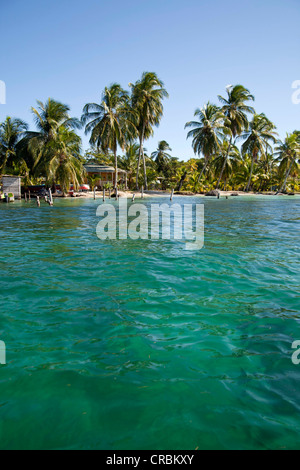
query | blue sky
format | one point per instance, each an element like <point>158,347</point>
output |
<point>70,50</point>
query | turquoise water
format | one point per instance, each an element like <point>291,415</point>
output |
<point>143,345</point>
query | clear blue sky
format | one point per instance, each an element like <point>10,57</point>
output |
<point>70,50</point>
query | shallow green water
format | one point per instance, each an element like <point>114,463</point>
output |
<point>142,345</point>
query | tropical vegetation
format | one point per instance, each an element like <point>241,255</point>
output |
<point>234,147</point>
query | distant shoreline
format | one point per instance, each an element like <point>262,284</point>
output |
<point>149,194</point>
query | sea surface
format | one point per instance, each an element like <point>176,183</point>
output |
<point>140,344</point>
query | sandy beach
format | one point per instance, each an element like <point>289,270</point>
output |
<point>149,194</point>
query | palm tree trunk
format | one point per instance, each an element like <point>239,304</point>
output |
<point>224,164</point>
<point>202,171</point>
<point>116,168</point>
<point>145,169</point>
<point>138,167</point>
<point>251,172</point>
<point>182,179</point>
<point>2,169</point>
<point>140,156</point>
<point>287,176</point>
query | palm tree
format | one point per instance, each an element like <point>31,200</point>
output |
<point>229,161</point>
<point>92,180</point>
<point>11,132</point>
<point>108,122</point>
<point>261,132</point>
<point>235,110</point>
<point>146,102</point>
<point>64,164</point>
<point>49,118</point>
<point>206,132</point>
<point>288,152</point>
<point>165,165</point>
<point>161,152</point>
<point>54,146</point>
<point>267,170</point>
<point>242,172</point>
<point>160,156</point>
<point>129,162</point>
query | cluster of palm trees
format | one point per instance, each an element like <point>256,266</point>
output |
<point>235,148</point>
<point>122,118</point>
<point>51,153</point>
<point>217,131</point>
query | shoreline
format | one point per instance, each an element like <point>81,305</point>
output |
<point>150,194</point>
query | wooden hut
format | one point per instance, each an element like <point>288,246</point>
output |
<point>12,184</point>
<point>107,174</point>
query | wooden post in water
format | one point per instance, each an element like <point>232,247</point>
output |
<point>94,193</point>
<point>50,202</point>
<point>25,196</point>
<point>172,194</point>
<point>133,198</point>
<point>29,197</point>
<point>38,201</point>
<point>142,192</point>
<point>103,195</point>
<point>109,193</point>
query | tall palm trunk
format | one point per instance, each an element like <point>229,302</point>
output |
<point>283,187</point>
<point>251,172</point>
<point>182,180</point>
<point>2,169</point>
<point>140,156</point>
<point>116,168</point>
<point>224,164</point>
<point>202,171</point>
<point>145,169</point>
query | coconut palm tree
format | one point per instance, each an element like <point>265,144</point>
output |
<point>229,161</point>
<point>206,132</point>
<point>268,169</point>
<point>11,132</point>
<point>235,109</point>
<point>49,118</point>
<point>287,153</point>
<point>160,156</point>
<point>129,162</point>
<point>62,159</point>
<point>161,152</point>
<point>146,103</point>
<point>242,172</point>
<point>261,132</point>
<point>165,165</point>
<point>108,122</point>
